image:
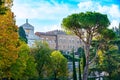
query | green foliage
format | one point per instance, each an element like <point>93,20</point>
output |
<point>59,65</point>
<point>41,53</point>
<point>8,43</point>
<point>117,30</point>
<point>86,26</point>
<point>14,54</point>
<point>70,22</point>
<point>30,71</point>
<point>82,57</point>
<point>110,64</point>
<point>79,67</point>
<point>117,41</point>
<point>74,67</point>
<point>82,61</point>
<point>108,34</point>
<point>2,7</point>
<point>24,67</point>
<point>107,55</point>
<point>85,21</point>
<point>22,35</point>
<point>49,64</point>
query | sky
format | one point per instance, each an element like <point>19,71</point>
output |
<point>47,15</point>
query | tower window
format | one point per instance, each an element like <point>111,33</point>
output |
<point>27,31</point>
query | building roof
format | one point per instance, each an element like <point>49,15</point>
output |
<point>51,33</point>
<point>56,32</point>
<point>27,25</point>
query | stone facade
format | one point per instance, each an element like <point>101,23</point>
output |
<point>59,40</point>
<point>29,30</point>
<point>56,39</point>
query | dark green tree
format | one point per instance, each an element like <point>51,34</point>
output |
<point>81,62</point>
<point>109,54</point>
<point>110,63</point>
<point>86,26</point>
<point>74,68</point>
<point>117,42</point>
<point>41,53</point>
<point>22,35</point>
<point>117,30</point>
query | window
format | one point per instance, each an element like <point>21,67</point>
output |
<point>27,31</point>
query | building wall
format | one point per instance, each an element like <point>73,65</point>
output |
<point>61,41</point>
<point>29,31</point>
<point>51,40</point>
<point>68,42</point>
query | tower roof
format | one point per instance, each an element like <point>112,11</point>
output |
<point>27,25</point>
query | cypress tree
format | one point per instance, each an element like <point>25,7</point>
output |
<point>22,35</point>
<point>74,68</point>
<point>80,51</point>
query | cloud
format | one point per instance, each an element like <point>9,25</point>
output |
<point>53,12</point>
<point>41,10</point>
<point>49,28</point>
<point>114,23</point>
<point>112,10</point>
<point>87,6</point>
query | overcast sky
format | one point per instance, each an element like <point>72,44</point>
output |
<point>46,15</point>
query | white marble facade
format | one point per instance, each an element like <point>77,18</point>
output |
<point>29,30</point>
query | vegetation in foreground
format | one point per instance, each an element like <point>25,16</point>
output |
<point>101,51</point>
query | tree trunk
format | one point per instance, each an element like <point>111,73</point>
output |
<point>85,73</point>
<point>79,65</point>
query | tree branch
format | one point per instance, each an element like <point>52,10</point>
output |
<point>94,56</point>
<point>79,34</point>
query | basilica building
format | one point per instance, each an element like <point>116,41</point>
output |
<point>56,39</point>
<point>29,30</point>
